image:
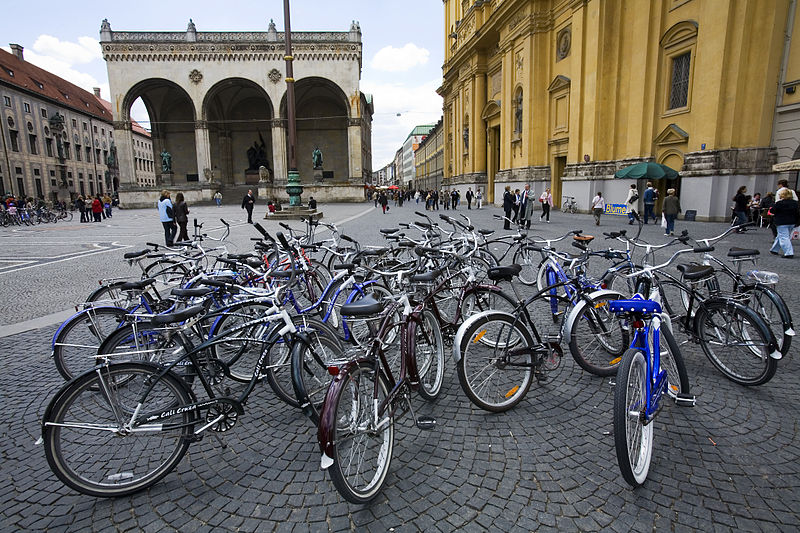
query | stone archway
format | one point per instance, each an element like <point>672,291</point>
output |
<point>323,120</point>
<point>172,120</point>
<point>238,113</point>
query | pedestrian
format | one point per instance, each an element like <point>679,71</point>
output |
<point>97,208</point>
<point>598,207</point>
<point>80,205</point>
<point>312,204</point>
<point>755,208</point>
<point>526,206</point>
<point>416,196</point>
<point>479,198</point>
<point>436,200</point>
<point>784,215</point>
<point>247,203</point>
<point>515,207</point>
<point>650,196</point>
<point>218,198</point>
<point>740,205</point>
<point>670,209</point>
<point>508,206</point>
<point>469,196</point>
<point>107,205</point>
<point>181,216</point>
<point>384,201</point>
<point>455,195</point>
<point>446,197</point>
<point>166,213</point>
<point>546,199</point>
<point>630,203</point>
<point>784,184</point>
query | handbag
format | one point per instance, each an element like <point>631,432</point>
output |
<point>633,198</point>
<point>663,221</point>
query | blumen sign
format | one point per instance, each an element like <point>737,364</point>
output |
<point>616,209</point>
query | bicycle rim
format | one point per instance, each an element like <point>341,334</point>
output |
<point>633,440</point>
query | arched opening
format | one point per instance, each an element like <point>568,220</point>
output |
<point>172,116</point>
<point>322,112</point>
<point>239,114</point>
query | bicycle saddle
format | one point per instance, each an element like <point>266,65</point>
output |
<point>191,293</point>
<point>180,316</point>
<point>503,273</point>
<point>693,272</point>
<point>136,285</point>
<point>366,306</point>
<point>742,252</point>
<point>134,255</point>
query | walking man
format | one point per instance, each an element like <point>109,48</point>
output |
<point>247,203</point>
<point>469,197</point>
<point>598,207</point>
<point>650,196</point>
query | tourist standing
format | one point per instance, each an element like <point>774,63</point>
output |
<point>670,209</point>
<point>650,196</point>
<point>181,216</point>
<point>508,206</point>
<point>526,206</point>
<point>166,213</point>
<point>469,196</point>
<point>107,201</point>
<point>97,208</point>
<point>479,198</point>
<point>218,198</point>
<point>80,205</point>
<point>740,205</point>
<point>784,215</point>
<point>515,207</point>
<point>598,207</point>
<point>546,199</point>
<point>384,201</point>
<point>247,203</point>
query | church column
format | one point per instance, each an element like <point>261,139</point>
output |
<point>123,140</point>
<point>279,156</point>
<point>354,148</point>
<point>202,148</point>
<point>478,125</point>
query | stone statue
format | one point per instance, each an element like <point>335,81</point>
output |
<point>105,25</point>
<point>111,161</point>
<point>191,26</point>
<point>257,155</point>
<point>518,114</point>
<point>263,174</point>
<point>316,158</point>
<point>466,137</point>
<point>271,27</point>
<point>208,175</point>
<point>166,162</point>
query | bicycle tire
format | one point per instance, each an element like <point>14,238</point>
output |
<point>140,343</point>
<point>77,341</point>
<point>312,353</point>
<point>480,299</point>
<point>111,294</point>
<point>116,463</point>
<point>597,337</point>
<point>487,338</point>
<point>166,271</point>
<point>633,440</point>
<point>362,454</point>
<point>745,340</point>
<point>530,261</point>
<point>672,361</point>
<point>428,351</point>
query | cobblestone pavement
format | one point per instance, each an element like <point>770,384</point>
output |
<point>730,463</point>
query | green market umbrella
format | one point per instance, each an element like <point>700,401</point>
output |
<point>651,171</point>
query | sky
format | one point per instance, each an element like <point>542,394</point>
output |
<point>402,46</point>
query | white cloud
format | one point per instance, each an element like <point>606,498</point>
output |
<point>393,59</point>
<point>85,50</point>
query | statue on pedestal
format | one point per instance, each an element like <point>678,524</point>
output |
<point>316,158</point>
<point>166,162</point>
<point>263,175</point>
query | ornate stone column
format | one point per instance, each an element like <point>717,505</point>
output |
<point>202,147</point>
<point>354,149</point>
<point>279,151</point>
<point>123,139</point>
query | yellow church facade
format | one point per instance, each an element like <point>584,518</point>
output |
<point>562,93</point>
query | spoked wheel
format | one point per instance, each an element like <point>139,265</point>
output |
<point>597,338</point>
<point>529,259</point>
<point>89,443</point>
<point>363,445</point>
<point>75,344</point>
<point>672,362</point>
<point>429,353</point>
<point>633,439</point>
<point>495,369</point>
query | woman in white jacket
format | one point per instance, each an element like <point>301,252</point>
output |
<point>631,202</point>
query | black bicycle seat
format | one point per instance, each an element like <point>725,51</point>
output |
<point>366,306</point>
<point>694,272</point>
<point>503,273</point>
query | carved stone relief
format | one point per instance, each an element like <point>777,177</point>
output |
<point>274,75</point>
<point>563,43</point>
<point>196,76</point>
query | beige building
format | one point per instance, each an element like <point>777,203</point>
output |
<point>429,158</point>
<point>563,93</point>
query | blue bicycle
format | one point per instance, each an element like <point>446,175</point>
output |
<point>651,367</point>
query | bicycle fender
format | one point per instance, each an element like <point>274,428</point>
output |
<point>573,315</point>
<point>81,312</point>
<point>327,414</point>
<point>466,324</point>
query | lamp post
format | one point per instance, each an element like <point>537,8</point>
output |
<point>293,187</point>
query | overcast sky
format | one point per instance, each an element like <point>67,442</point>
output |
<point>402,45</point>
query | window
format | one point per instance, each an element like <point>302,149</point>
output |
<point>97,156</point>
<point>52,173</point>
<point>85,127</point>
<point>18,170</point>
<point>27,107</point>
<point>36,172</point>
<point>77,152</point>
<point>53,183</point>
<point>74,123</point>
<point>7,101</point>
<point>95,129</point>
<point>20,187</point>
<point>14,140</point>
<point>80,175</point>
<point>88,154</point>
<point>33,145</point>
<point>44,113</point>
<point>48,147</point>
<point>679,85</point>
<point>66,151</point>
<point>39,191</point>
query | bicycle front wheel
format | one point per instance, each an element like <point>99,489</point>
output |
<point>633,439</point>
<point>92,445</point>
<point>597,338</point>
<point>736,341</point>
<point>530,260</point>
<point>496,368</point>
<point>363,445</point>
<point>429,353</point>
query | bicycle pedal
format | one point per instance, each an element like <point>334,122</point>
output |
<point>686,400</point>
<point>426,423</point>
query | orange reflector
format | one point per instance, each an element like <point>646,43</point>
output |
<point>615,361</point>
<point>333,370</point>
<point>479,336</point>
<point>599,305</point>
<point>512,392</point>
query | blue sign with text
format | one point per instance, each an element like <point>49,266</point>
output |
<point>616,209</point>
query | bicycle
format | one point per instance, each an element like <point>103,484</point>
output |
<point>569,205</point>
<point>641,384</point>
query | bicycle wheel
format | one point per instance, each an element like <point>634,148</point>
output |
<point>429,353</point>
<point>166,271</point>
<point>633,439</point>
<point>530,260</point>
<point>482,299</point>
<point>736,341</point>
<point>495,368</point>
<point>76,342</point>
<point>362,449</point>
<point>597,337</point>
<point>89,444</point>
<point>66,216</point>
<point>240,346</point>
<point>672,362</point>
<point>138,342</point>
<point>314,350</point>
<point>111,294</point>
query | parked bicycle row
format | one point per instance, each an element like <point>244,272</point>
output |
<point>350,335</point>
<point>13,216</point>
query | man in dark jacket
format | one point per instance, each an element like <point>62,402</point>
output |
<point>508,205</point>
<point>247,203</point>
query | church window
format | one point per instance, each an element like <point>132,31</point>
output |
<point>679,86</point>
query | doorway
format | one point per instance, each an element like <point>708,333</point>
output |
<point>559,164</point>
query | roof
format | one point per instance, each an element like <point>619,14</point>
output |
<point>32,79</point>
<point>422,129</point>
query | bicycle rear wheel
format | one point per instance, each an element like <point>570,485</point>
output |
<point>633,440</point>
<point>496,367</point>
<point>597,338</point>
<point>672,362</point>
<point>362,450</point>
<point>76,343</point>
<point>86,439</point>
<point>736,341</point>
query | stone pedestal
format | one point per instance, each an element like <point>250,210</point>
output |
<point>318,175</point>
<point>166,178</point>
<point>251,177</point>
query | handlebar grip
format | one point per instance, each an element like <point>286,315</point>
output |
<point>223,221</point>
<point>576,231</point>
<point>445,217</point>
<point>623,232</point>
<point>284,225</point>
<point>703,249</point>
<point>260,229</point>
<point>420,214</point>
<point>283,240</point>
<point>405,225</point>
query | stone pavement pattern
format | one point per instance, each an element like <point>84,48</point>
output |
<point>729,463</point>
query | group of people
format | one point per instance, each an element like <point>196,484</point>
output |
<point>518,206</point>
<point>173,216</point>
<point>448,198</point>
<point>94,208</point>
